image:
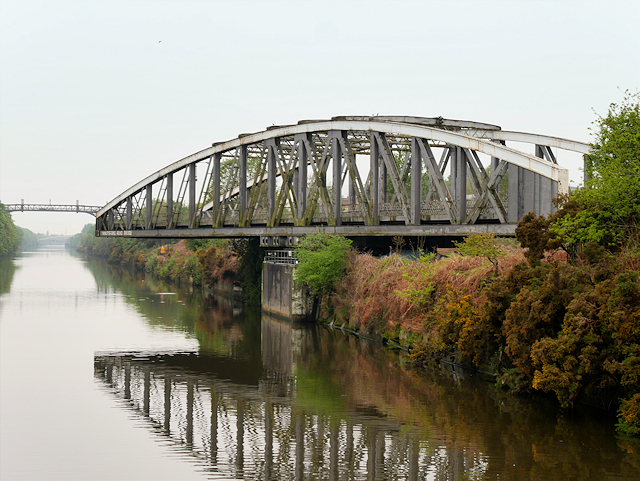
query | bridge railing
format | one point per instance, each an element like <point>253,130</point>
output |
<point>362,177</point>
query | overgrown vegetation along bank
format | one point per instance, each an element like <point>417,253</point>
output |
<point>211,263</point>
<point>14,238</point>
<point>567,328</point>
<point>561,316</point>
<point>10,235</point>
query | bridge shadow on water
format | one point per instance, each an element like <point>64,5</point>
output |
<point>265,399</point>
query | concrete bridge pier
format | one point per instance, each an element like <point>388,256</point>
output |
<point>282,295</point>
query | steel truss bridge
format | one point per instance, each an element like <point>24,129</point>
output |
<point>22,207</point>
<point>356,176</point>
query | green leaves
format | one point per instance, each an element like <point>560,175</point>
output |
<point>483,245</point>
<point>607,210</point>
<point>322,261</point>
<point>10,235</point>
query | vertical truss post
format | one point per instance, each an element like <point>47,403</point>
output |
<point>148,206</point>
<point>545,187</point>
<point>375,179</point>
<point>129,214</point>
<point>384,183</point>
<point>303,159</point>
<point>192,195</point>
<point>453,173</point>
<point>336,157</point>
<point>242,185</point>
<point>169,200</point>
<point>460,181</point>
<point>529,190</point>
<point>216,187</point>
<point>495,162</point>
<point>110,219</point>
<point>272,151</point>
<point>516,194</point>
<point>416,181</point>
<point>351,177</point>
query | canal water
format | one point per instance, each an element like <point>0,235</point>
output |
<point>108,375</point>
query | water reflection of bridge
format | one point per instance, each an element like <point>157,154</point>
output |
<point>256,425</point>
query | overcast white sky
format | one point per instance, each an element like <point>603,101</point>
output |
<point>96,95</point>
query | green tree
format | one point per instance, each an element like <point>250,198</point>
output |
<point>322,261</point>
<point>250,256</point>
<point>483,245</point>
<point>10,235</point>
<point>607,210</point>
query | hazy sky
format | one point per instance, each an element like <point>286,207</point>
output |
<point>96,95</point>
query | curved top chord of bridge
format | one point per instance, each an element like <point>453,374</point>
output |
<point>357,176</point>
<point>85,209</point>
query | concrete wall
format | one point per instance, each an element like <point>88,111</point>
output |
<point>282,295</point>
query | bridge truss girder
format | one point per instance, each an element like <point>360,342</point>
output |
<point>353,175</point>
<point>77,208</point>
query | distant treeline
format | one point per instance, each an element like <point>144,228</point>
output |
<point>10,235</point>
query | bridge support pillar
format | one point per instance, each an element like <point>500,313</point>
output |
<point>282,295</point>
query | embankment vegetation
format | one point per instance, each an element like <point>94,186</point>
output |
<point>10,235</point>
<point>561,316</point>
<point>213,263</point>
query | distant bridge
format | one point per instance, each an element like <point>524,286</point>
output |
<point>22,207</point>
<point>356,176</point>
<point>55,239</point>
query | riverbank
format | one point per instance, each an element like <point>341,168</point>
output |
<point>567,328</point>
<point>210,263</point>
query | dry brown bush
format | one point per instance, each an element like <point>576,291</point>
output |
<point>368,297</point>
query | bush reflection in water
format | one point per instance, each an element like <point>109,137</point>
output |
<point>263,399</point>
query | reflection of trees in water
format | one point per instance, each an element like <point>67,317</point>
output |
<point>220,323</point>
<point>310,402</point>
<point>7,269</point>
<point>468,415</point>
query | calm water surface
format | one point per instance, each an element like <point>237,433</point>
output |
<point>106,375</point>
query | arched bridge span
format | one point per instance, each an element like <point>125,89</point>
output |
<point>358,176</point>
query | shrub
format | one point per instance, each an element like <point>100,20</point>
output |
<point>322,261</point>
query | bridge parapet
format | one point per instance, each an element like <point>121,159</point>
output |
<point>354,175</point>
